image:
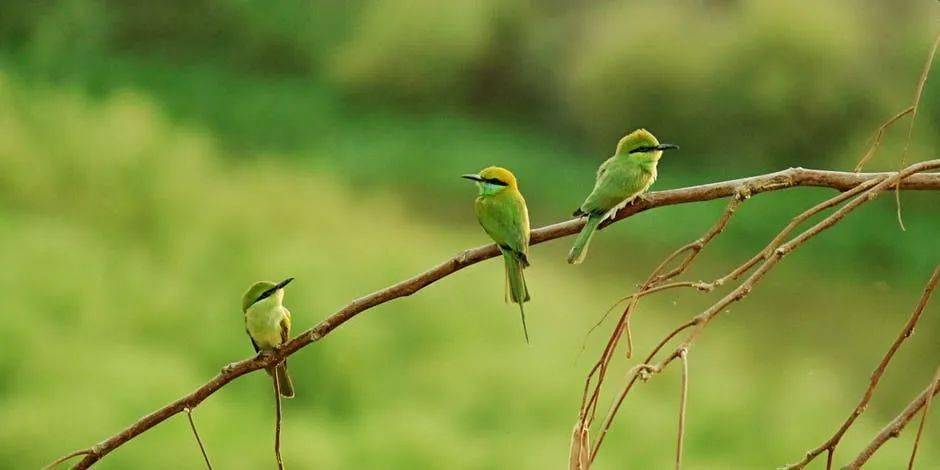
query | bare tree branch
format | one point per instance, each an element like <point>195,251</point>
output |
<point>789,178</point>
<point>893,429</point>
<point>700,321</point>
<point>908,329</point>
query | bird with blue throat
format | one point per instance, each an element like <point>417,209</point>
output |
<point>620,180</point>
<point>501,210</point>
<point>268,323</point>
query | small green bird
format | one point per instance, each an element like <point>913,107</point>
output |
<point>501,211</point>
<point>623,177</point>
<point>267,322</point>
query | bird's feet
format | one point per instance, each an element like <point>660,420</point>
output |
<point>266,353</point>
<point>640,200</point>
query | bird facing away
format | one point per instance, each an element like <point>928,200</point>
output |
<point>501,211</point>
<point>623,177</point>
<point>267,322</point>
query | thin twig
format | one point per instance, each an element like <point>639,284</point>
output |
<point>894,428</point>
<point>789,178</point>
<point>908,329</point>
<point>923,420</point>
<point>878,136</point>
<point>683,400</point>
<point>62,459</point>
<point>793,224</point>
<point>192,424</point>
<point>277,422</point>
<point>921,83</point>
<point>918,93</point>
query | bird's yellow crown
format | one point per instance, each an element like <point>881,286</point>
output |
<point>636,139</point>
<point>500,174</point>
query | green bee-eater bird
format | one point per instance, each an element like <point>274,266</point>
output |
<point>501,211</point>
<point>267,322</point>
<point>623,177</point>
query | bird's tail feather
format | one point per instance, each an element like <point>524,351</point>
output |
<point>580,248</point>
<point>284,384</point>
<point>525,331</point>
<point>517,291</point>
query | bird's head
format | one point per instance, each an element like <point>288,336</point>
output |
<point>493,179</point>
<point>642,143</point>
<point>262,290</point>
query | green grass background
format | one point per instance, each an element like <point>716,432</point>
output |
<point>153,164</point>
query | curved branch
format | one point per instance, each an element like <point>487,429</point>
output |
<point>838,180</point>
<point>893,429</point>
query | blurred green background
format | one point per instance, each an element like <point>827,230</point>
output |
<point>158,157</point>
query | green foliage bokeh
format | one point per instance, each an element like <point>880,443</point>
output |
<point>158,157</point>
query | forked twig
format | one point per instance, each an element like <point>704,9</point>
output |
<point>878,136</point>
<point>795,222</point>
<point>633,375</point>
<point>921,83</point>
<point>830,445</point>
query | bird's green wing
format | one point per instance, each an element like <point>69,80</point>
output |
<point>505,218</point>
<point>285,326</point>
<point>618,180</point>
<point>253,344</point>
<point>603,168</point>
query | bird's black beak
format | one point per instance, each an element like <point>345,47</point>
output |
<point>473,177</point>
<point>662,147</point>
<point>271,291</point>
<point>282,284</point>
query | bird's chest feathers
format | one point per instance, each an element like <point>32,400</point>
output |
<point>263,321</point>
<point>487,204</point>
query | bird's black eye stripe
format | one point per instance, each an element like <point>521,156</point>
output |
<point>643,149</point>
<point>265,295</point>
<point>495,181</point>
